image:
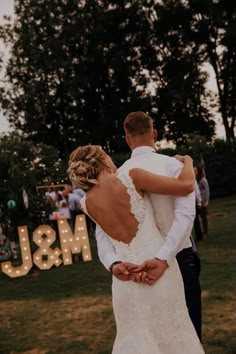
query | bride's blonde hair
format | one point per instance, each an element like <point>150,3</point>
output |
<point>85,164</point>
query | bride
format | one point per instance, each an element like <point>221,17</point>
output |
<point>149,319</point>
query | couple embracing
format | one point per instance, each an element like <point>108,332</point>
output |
<point>144,213</point>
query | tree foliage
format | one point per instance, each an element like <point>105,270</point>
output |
<point>176,66</point>
<point>73,67</point>
<point>214,31</point>
<point>78,67</point>
<point>218,159</point>
<point>24,166</point>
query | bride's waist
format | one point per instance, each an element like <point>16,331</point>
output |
<point>139,248</point>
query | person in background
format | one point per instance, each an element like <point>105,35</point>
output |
<point>79,192</point>
<point>90,223</point>
<point>205,195</point>
<point>71,199</point>
<point>54,195</point>
<point>197,222</point>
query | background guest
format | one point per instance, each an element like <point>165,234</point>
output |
<point>205,195</point>
<point>197,222</point>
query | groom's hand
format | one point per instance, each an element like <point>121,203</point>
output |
<point>136,272</point>
<point>153,269</point>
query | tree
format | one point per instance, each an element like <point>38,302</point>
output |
<point>78,67</point>
<point>73,68</point>
<point>25,165</point>
<point>213,26</point>
<point>175,65</point>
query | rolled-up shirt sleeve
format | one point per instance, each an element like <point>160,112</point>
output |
<point>106,250</point>
<point>178,237</point>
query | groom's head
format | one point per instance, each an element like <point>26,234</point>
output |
<point>139,130</point>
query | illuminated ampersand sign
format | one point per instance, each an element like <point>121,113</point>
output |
<point>45,257</point>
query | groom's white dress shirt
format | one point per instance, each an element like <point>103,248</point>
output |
<point>174,215</point>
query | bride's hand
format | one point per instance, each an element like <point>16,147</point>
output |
<point>182,158</point>
<point>124,270</point>
<point>136,272</point>
<point>132,267</point>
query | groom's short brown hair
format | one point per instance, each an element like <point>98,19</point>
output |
<point>137,123</point>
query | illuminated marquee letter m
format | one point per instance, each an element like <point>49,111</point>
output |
<point>74,243</point>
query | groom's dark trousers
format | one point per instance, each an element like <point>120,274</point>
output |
<point>189,264</point>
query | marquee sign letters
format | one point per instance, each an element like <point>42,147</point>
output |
<point>45,257</point>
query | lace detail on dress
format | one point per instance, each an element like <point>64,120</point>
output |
<point>137,204</point>
<point>149,319</point>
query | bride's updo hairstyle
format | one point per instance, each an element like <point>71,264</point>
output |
<point>85,164</point>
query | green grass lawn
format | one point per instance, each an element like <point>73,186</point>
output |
<point>67,310</point>
<point>218,278</point>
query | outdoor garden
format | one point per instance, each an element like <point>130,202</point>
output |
<point>68,309</point>
<point>70,72</point>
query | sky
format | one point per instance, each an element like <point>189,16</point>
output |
<point>7,8</point>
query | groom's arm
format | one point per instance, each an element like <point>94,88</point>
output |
<point>178,236</point>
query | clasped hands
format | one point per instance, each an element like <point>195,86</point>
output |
<point>147,273</point>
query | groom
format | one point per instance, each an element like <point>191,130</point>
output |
<point>174,218</point>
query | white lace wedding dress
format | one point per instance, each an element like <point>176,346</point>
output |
<point>149,319</point>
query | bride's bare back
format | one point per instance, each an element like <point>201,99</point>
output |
<point>107,199</point>
<point>108,203</point>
